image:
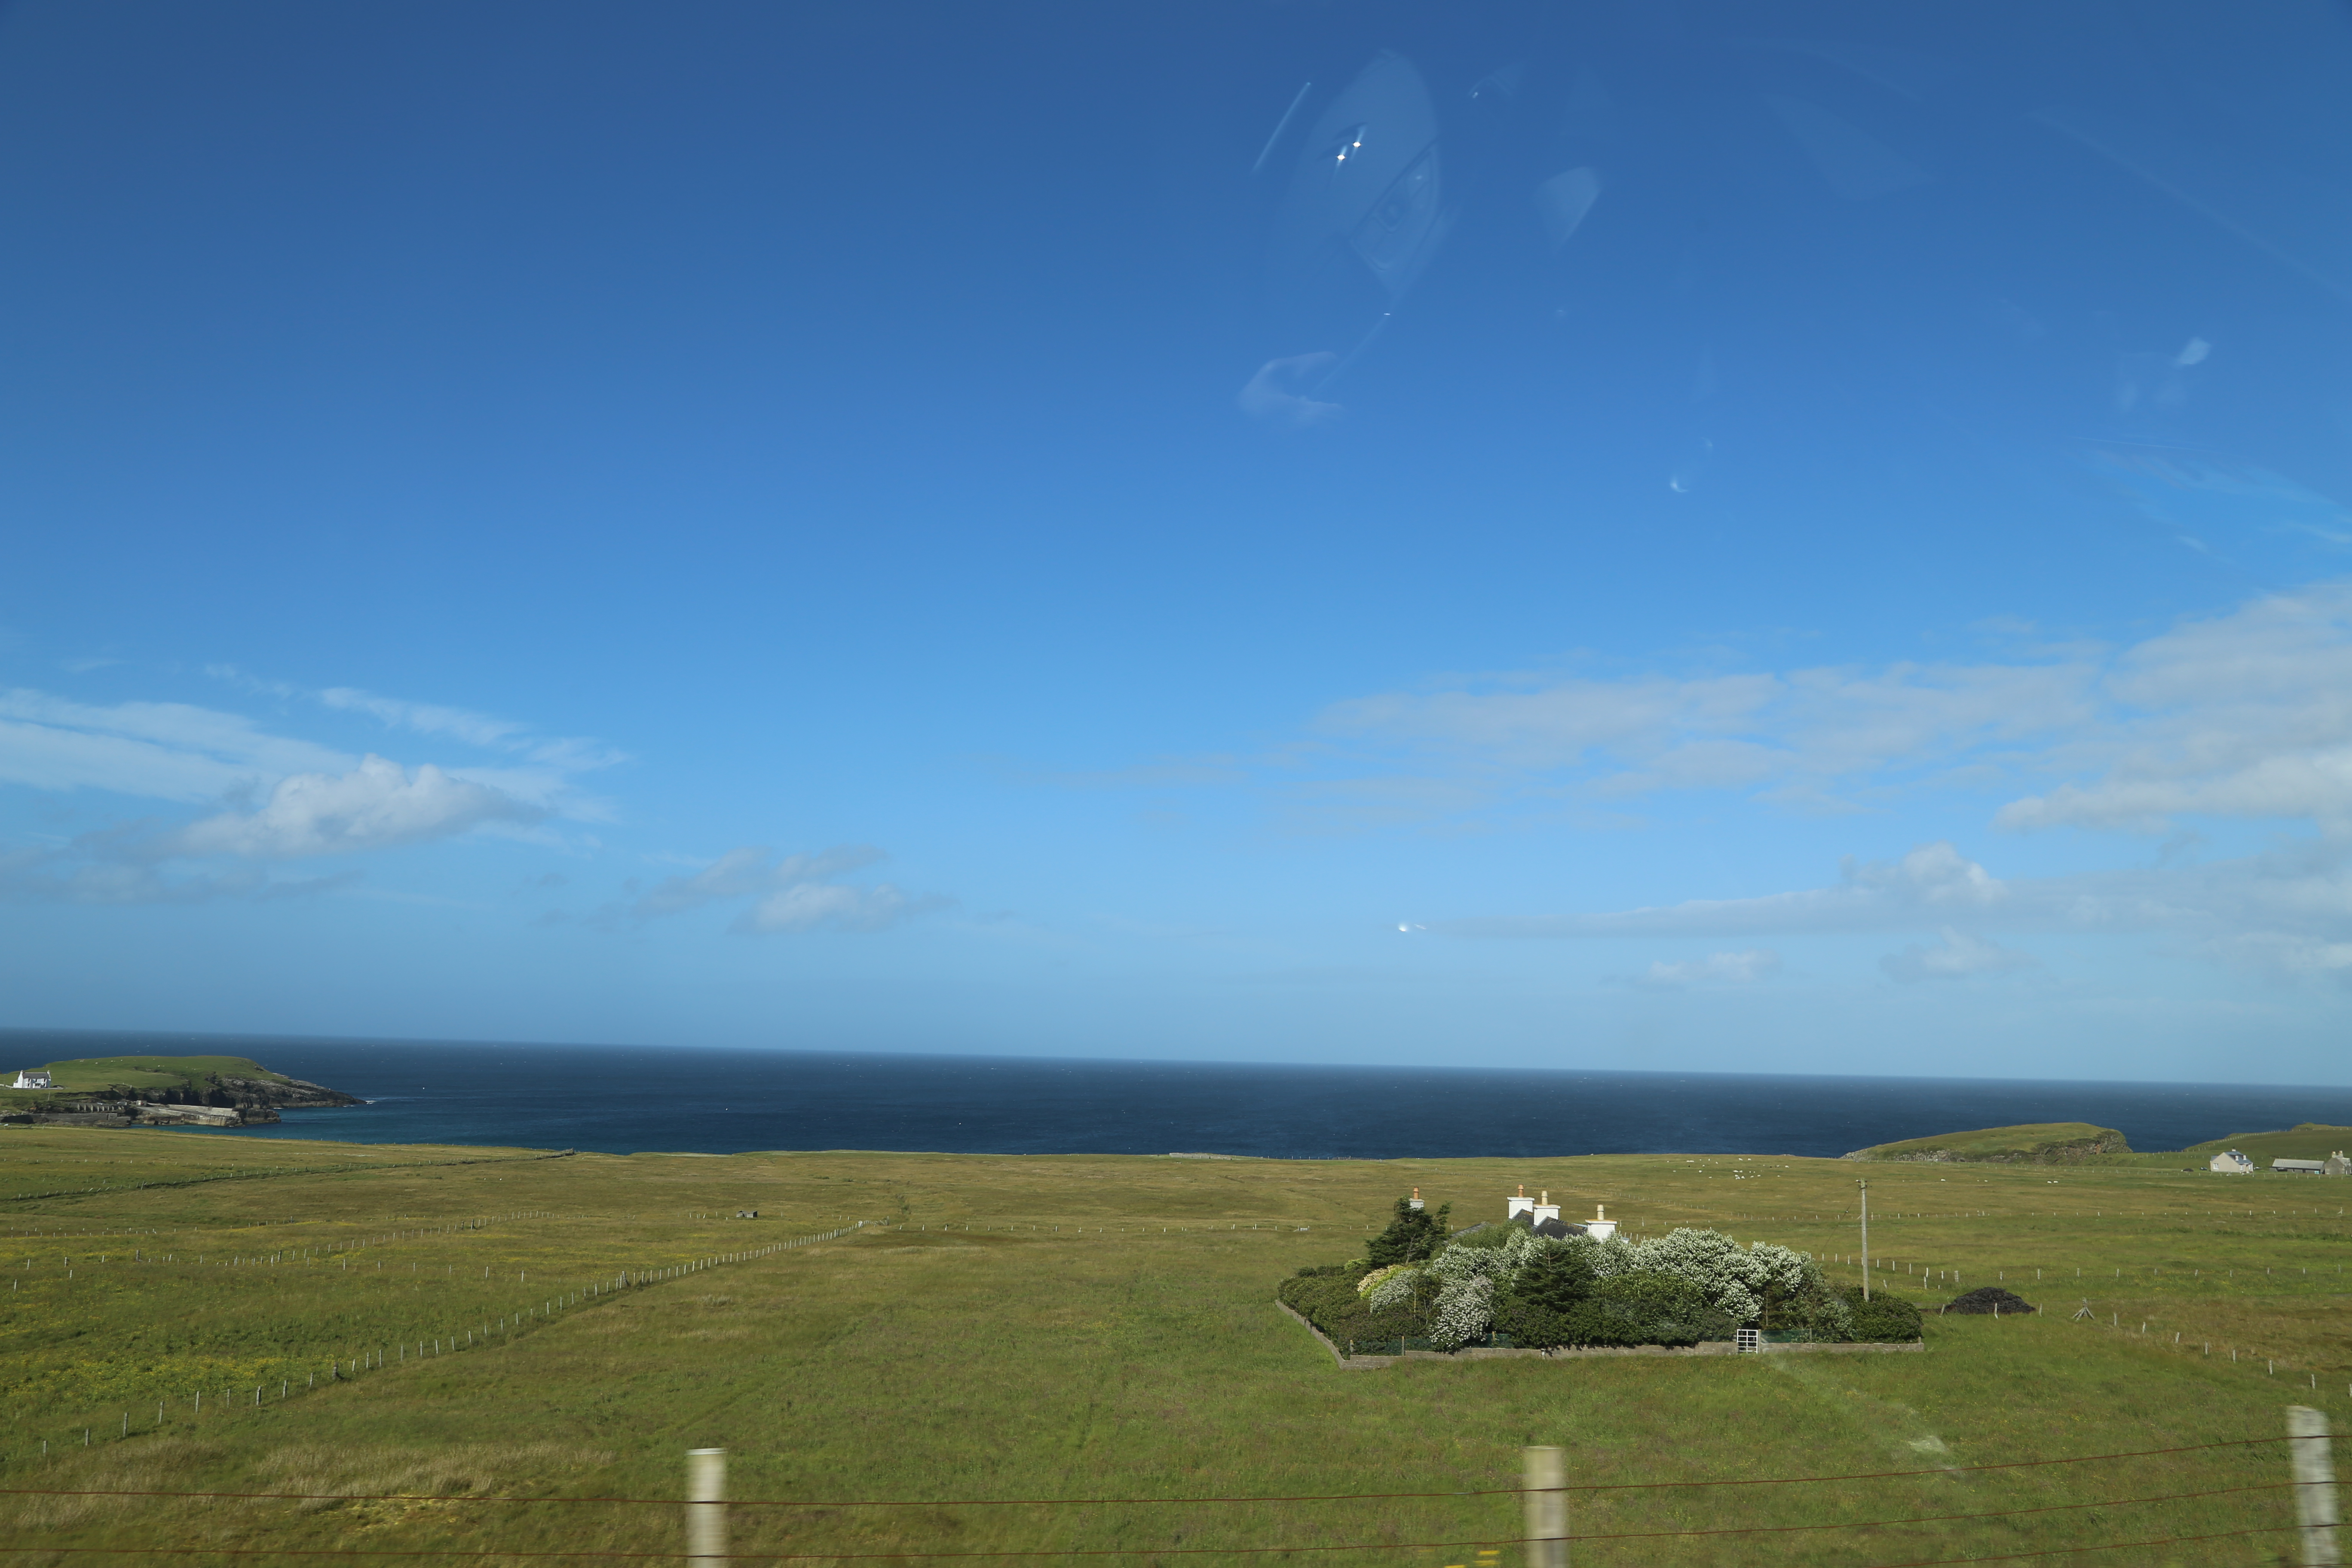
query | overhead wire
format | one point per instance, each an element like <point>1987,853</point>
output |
<point>1099,1502</point>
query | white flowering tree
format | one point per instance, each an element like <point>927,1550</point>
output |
<point>1465,1308</point>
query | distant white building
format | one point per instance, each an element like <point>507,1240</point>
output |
<point>1540,1214</point>
<point>34,1077</point>
<point>2232,1162</point>
<point>2338,1165</point>
<point>2301,1167</point>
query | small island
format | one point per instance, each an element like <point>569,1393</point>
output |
<point>1533,1281</point>
<point>155,1091</point>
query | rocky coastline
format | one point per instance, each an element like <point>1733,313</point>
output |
<point>213,1100</point>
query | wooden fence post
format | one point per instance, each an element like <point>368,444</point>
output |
<point>1546,1501</point>
<point>706,1507</point>
<point>2314,1485</point>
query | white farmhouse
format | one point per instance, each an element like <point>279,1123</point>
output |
<point>2232,1162</point>
<point>33,1078</point>
<point>1540,1214</point>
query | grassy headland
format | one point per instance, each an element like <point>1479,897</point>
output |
<point>2032,1143</point>
<point>120,1081</point>
<point>1100,1328</point>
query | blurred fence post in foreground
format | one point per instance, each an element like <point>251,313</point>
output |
<point>706,1505</point>
<point>2314,1485</point>
<point>1546,1501</point>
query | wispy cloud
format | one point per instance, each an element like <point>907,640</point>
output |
<point>113,867</point>
<point>2286,912</point>
<point>1957,956</point>
<point>274,796</point>
<point>376,806</point>
<point>2246,714</point>
<point>1743,968</point>
<point>1926,887</point>
<point>161,751</point>
<point>796,893</point>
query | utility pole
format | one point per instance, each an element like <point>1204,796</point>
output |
<point>1545,1495</point>
<point>1865,1238</point>
<point>2314,1487</point>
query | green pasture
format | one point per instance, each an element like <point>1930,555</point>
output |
<point>1061,1333</point>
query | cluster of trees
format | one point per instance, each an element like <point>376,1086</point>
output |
<point>1500,1283</point>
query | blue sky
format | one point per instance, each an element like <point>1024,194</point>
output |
<point>1697,537</point>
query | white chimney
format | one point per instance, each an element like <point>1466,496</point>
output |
<point>1543,1209</point>
<point>1600,1227</point>
<point>1519,1206</point>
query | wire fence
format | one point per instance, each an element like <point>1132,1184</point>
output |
<point>1488,1546</point>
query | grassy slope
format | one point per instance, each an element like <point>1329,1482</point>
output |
<point>1107,1358</point>
<point>144,1073</point>
<point>1998,1143</point>
<point>2306,1140</point>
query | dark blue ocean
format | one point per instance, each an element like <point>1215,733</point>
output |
<point>622,1100</point>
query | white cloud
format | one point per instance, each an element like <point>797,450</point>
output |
<point>425,718</point>
<point>817,906</point>
<point>2246,714</point>
<point>794,894</point>
<point>163,751</point>
<point>376,805</point>
<point>1955,956</point>
<point>1742,968</point>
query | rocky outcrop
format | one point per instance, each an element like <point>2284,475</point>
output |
<point>282,1091</point>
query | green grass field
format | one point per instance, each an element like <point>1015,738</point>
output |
<point>1080,1329</point>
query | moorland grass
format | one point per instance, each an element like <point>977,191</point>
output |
<point>1093,1328</point>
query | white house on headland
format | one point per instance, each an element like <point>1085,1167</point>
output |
<point>2232,1162</point>
<point>33,1078</point>
<point>2338,1165</point>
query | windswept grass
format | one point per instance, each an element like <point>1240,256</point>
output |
<point>1103,1330</point>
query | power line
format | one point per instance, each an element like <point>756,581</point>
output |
<point>1066,1552</point>
<point>1099,1502</point>
<point>1925,1518</point>
<point>2103,1546</point>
